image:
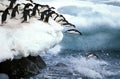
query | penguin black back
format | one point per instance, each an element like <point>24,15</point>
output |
<point>26,14</point>
<point>11,4</point>
<point>48,15</point>
<point>26,7</point>
<point>35,8</point>
<point>15,9</point>
<point>4,15</point>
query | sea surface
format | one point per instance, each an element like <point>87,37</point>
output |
<point>71,63</point>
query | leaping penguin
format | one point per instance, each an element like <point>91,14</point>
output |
<point>4,15</point>
<point>68,24</point>
<point>11,4</point>
<point>15,9</point>
<point>73,31</point>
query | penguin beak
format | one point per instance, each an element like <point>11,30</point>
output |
<point>80,33</point>
<point>52,7</point>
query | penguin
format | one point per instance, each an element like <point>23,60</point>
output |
<point>11,4</point>
<point>73,31</point>
<point>59,18</point>
<point>26,7</point>
<point>48,15</point>
<point>15,9</point>
<point>92,55</point>
<point>44,13</point>
<point>35,8</point>
<point>4,15</point>
<point>30,1</point>
<point>26,14</point>
<point>54,15</point>
<point>66,23</point>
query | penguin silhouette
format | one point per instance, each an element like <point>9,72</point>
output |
<point>48,15</point>
<point>73,31</point>
<point>26,7</point>
<point>30,1</point>
<point>35,8</point>
<point>4,15</point>
<point>61,18</point>
<point>15,9</point>
<point>26,14</point>
<point>44,13</point>
<point>11,4</point>
<point>68,24</point>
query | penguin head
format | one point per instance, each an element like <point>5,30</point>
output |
<point>52,7</point>
<point>29,4</point>
<point>92,55</point>
<point>18,4</point>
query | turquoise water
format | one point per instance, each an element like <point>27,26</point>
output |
<point>71,63</point>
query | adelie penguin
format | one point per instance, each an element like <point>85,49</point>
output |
<point>92,56</point>
<point>4,15</point>
<point>66,23</point>
<point>11,4</point>
<point>26,15</point>
<point>15,9</point>
<point>26,7</point>
<point>35,8</point>
<point>48,15</point>
<point>73,31</point>
<point>46,12</point>
<point>30,1</point>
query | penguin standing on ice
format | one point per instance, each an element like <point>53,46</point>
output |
<point>35,8</point>
<point>48,15</point>
<point>15,9</point>
<point>11,4</point>
<point>46,12</point>
<point>4,15</point>
<point>26,7</point>
<point>26,14</point>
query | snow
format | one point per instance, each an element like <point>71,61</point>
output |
<point>23,39</point>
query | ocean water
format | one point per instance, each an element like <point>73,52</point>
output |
<point>99,23</point>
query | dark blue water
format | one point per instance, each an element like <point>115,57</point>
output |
<point>71,63</point>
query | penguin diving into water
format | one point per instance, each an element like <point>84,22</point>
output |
<point>61,20</point>
<point>73,31</point>
<point>92,55</point>
<point>4,15</point>
<point>15,9</point>
<point>66,23</point>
